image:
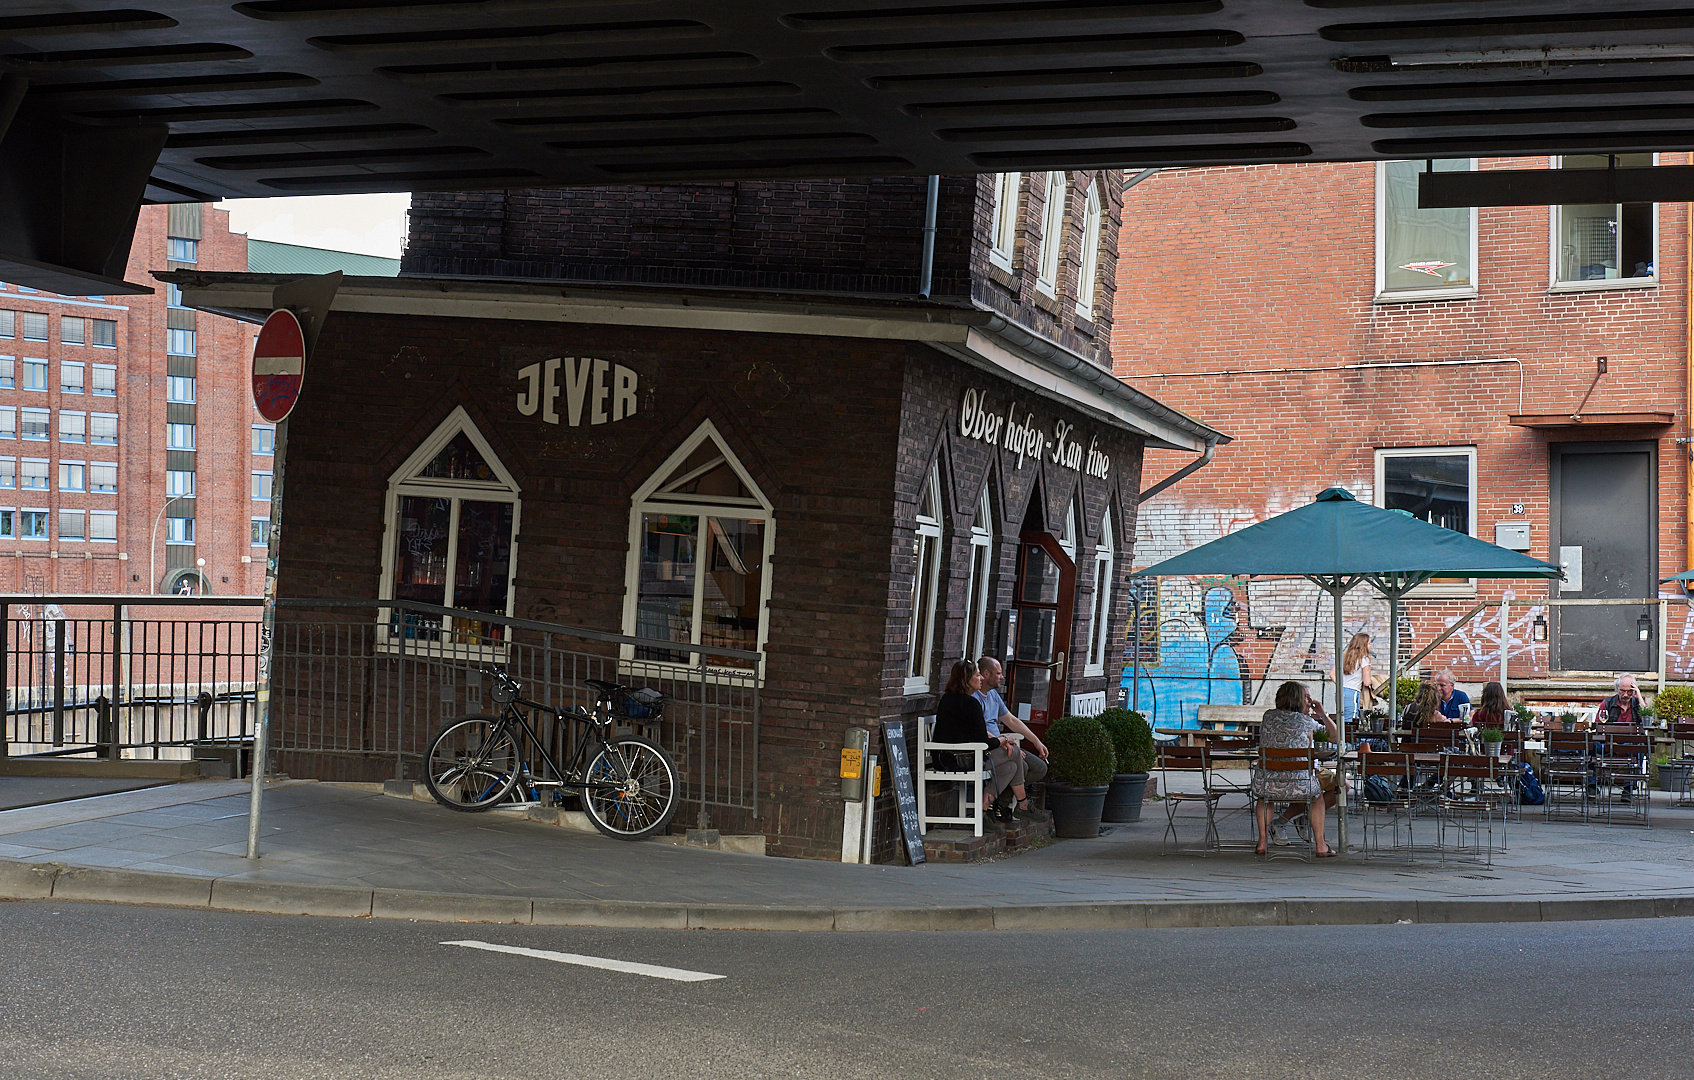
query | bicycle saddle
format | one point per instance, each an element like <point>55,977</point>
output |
<point>605,687</point>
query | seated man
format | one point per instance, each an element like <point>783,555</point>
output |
<point>1448,699</point>
<point>1623,707</point>
<point>1032,769</point>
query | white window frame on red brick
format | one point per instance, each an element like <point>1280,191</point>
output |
<point>926,586</point>
<point>978,578</point>
<point>105,380</point>
<point>664,493</point>
<point>1441,291</point>
<point>1105,558</point>
<point>1004,224</point>
<point>1053,221</point>
<point>102,526</point>
<point>34,469</point>
<point>1089,264</point>
<point>457,638</point>
<point>1555,254</point>
<point>97,424</point>
<point>72,376</point>
<point>1458,588</point>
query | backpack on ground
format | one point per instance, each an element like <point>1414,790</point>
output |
<point>1530,791</point>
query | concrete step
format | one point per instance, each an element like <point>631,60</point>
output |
<point>100,767</point>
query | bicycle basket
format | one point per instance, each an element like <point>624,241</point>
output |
<point>643,704</point>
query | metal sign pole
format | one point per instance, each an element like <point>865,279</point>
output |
<point>267,639</point>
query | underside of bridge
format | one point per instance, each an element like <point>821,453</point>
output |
<point>104,105</point>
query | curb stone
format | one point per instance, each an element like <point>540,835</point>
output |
<point>131,887</point>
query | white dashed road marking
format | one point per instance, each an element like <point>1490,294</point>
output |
<point>650,970</point>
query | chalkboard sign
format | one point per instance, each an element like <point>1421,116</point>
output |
<point>900,770</point>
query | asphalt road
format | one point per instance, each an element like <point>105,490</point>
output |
<point>127,992</point>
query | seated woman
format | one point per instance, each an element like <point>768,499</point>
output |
<point>1492,708</point>
<point>1288,726</point>
<point>958,719</point>
<point>1424,708</point>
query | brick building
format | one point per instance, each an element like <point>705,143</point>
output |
<point>1443,362</point>
<point>721,415</point>
<point>129,450</point>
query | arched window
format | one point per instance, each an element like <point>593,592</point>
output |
<point>1090,253</point>
<point>926,569</point>
<point>1005,219</point>
<point>1067,538</point>
<point>1053,231</point>
<point>452,519</point>
<point>976,588</point>
<point>700,539</point>
<point>1105,555</point>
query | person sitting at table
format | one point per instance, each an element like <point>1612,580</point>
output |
<point>1355,675</point>
<point>1423,709</point>
<point>1491,708</point>
<point>958,719</point>
<point>1625,706</point>
<point>1288,726</point>
<point>1326,781</point>
<point>1449,698</point>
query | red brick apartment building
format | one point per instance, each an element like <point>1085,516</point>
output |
<point>129,447</point>
<point>1443,362</point>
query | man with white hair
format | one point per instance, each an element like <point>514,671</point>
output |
<point>1625,706</point>
<point>1448,699</point>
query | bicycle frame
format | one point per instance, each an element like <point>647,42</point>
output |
<point>571,778</point>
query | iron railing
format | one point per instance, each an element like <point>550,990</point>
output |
<point>356,678</point>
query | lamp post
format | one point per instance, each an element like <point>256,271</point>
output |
<point>200,568</point>
<point>153,546</point>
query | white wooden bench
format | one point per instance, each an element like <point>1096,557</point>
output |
<point>972,779</point>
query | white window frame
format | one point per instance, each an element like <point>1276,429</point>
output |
<point>66,514</point>
<point>976,585</point>
<point>1105,558</point>
<point>920,631</point>
<point>185,492</point>
<point>1440,292</point>
<point>65,434</point>
<point>65,385</point>
<point>94,383</point>
<point>1604,284</point>
<point>265,532</point>
<point>173,382</point>
<point>176,337</point>
<point>1054,218</point>
<point>8,422</point>
<point>179,535</point>
<point>103,515</point>
<point>1089,263</point>
<point>270,430</point>
<point>405,481</point>
<point>47,424</point>
<point>1068,531</point>
<point>1004,224</point>
<point>648,500</point>
<point>93,440</point>
<point>9,473</point>
<point>1435,589</point>
<point>8,372</point>
<point>92,465</point>
<point>82,466</point>
<point>174,433</point>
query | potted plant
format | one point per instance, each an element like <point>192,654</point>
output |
<point>1525,718</point>
<point>1132,739</point>
<point>1491,738</point>
<point>1081,761</point>
<point>1674,703</point>
<point>1567,720</point>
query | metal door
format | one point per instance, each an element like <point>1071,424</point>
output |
<point>1604,530</point>
<point>1046,599</point>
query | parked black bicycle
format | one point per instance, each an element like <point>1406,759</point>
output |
<point>628,784</point>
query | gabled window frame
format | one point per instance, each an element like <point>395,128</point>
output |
<point>926,568</point>
<point>979,577</point>
<point>1088,268</point>
<point>1105,559</point>
<point>1054,219</point>
<point>1003,224</point>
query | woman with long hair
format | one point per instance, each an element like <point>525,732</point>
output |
<point>1355,675</point>
<point>1491,708</point>
<point>1424,708</point>
<point>1287,725</point>
<point>959,719</point>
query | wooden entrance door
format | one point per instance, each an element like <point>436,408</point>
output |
<point>1045,601</point>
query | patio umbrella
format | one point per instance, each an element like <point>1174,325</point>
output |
<point>1336,542</point>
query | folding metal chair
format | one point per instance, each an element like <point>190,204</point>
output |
<point>1621,772</point>
<point>1281,762</point>
<point>1565,775</point>
<point>1189,763</point>
<point>1394,769</point>
<point>1683,732</point>
<point>1469,797</point>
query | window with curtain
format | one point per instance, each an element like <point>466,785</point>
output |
<point>1420,251</point>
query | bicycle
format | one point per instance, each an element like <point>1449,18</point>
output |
<point>628,784</point>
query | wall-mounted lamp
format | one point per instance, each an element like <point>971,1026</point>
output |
<point>1645,626</point>
<point>1538,629</point>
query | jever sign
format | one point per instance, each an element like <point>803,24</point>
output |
<point>279,365</point>
<point>595,391</point>
<point>1023,438</point>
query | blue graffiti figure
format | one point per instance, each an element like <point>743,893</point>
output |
<point>1198,664</point>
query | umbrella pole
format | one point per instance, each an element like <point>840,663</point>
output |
<point>1393,658</point>
<point>1341,722</point>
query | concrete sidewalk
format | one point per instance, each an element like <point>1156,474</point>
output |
<point>349,850</point>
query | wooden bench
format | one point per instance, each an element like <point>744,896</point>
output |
<point>1215,717</point>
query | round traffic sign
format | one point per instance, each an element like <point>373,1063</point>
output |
<point>279,365</point>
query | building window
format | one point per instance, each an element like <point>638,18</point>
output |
<point>8,422</point>
<point>35,375</point>
<point>103,429</point>
<point>179,342</point>
<point>71,525</point>
<point>926,569</point>
<point>453,513</point>
<point>72,476</point>
<point>35,424</point>
<point>1053,231</point>
<point>179,389</point>
<point>976,585</point>
<point>105,379</point>
<point>1090,264</point>
<point>1433,484</point>
<point>181,250</point>
<point>8,523</point>
<point>33,475</point>
<point>262,486</point>
<point>179,436</point>
<point>103,526</point>
<point>8,472</point>
<point>32,525</point>
<point>103,478</point>
<point>7,368</point>
<point>105,334</point>
<point>700,539</point>
<point>1422,254</point>
<point>73,427</point>
<point>258,532</point>
<point>1105,557</point>
<point>1067,537</point>
<point>35,326</point>
<point>179,482</point>
<point>71,378</point>
<point>1005,219</point>
<point>1614,243</point>
<point>173,295</point>
<point>179,530</point>
<point>8,324</point>
<point>264,439</point>
<point>71,330</point>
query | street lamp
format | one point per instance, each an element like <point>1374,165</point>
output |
<point>153,546</point>
<point>200,566</point>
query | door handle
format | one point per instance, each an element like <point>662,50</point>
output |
<point>1059,668</point>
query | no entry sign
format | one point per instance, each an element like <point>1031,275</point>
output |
<point>279,365</point>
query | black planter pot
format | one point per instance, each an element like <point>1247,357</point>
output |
<point>1076,810</point>
<point>1123,798</point>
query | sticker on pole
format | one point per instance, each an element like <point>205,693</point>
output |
<point>279,365</point>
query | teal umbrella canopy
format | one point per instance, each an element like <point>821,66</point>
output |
<point>1686,575</point>
<point>1335,535</point>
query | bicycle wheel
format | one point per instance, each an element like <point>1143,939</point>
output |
<point>471,764</point>
<point>631,788</point>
